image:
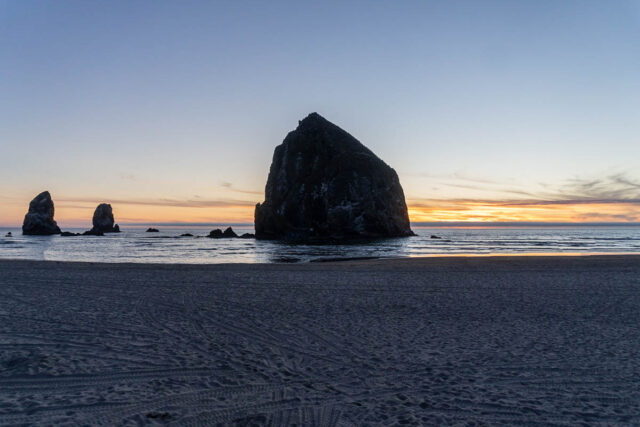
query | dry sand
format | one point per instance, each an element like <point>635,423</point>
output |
<point>505,340</point>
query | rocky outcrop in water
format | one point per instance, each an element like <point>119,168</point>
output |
<point>152,230</point>
<point>103,221</point>
<point>219,234</point>
<point>39,220</point>
<point>324,184</point>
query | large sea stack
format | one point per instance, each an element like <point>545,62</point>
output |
<point>324,184</point>
<point>103,221</point>
<point>39,220</point>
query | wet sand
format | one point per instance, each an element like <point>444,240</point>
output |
<point>431,341</point>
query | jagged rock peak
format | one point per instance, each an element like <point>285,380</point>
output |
<point>39,219</point>
<point>323,132</point>
<point>324,184</point>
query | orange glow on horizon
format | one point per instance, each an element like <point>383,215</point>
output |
<point>478,211</point>
<point>79,214</point>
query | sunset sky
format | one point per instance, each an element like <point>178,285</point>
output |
<point>170,111</point>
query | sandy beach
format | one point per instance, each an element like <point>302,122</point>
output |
<point>431,341</point>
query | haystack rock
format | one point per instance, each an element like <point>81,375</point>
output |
<point>39,220</point>
<point>103,220</point>
<point>324,184</point>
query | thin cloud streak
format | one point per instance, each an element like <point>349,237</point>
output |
<point>430,203</point>
<point>231,187</point>
<point>163,202</point>
<point>612,189</point>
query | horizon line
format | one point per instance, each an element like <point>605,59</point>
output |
<point>413,224</point>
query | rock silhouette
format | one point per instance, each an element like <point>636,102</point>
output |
<point>39,219</point>
<point>103,221</point>
<point>228,232</point>
<point>215,234</point>
<point>152,230</point>
<point>324,184</point>
<point>219,234</point>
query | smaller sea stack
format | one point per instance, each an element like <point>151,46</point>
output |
<point>103,221</point>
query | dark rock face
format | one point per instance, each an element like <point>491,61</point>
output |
<point>228,232</point>
<point>324,184</point>
<point>39,219</point>
<point>69,234</point>
<point>152,230</point>
<point>103,221</point>
<point>215,234</point>
<point>248,236</point>
<point>219,234</point>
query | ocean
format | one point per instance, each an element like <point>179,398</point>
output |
<point>133,244</point>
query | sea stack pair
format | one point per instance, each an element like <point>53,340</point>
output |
<point>324,184</point>
<point>39,219</point>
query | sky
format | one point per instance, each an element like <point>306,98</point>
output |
<point>170,111</point>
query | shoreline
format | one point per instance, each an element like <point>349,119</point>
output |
<point>358,260</point>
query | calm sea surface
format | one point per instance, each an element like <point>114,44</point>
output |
<point>135,245</point>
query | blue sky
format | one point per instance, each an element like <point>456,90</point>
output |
<point>173,109</point>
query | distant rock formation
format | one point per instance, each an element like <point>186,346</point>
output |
<point>219,234</point>
<point>69,234</point>
<point>228,232</point>
<point>152,230</point>
<point>93,232</point>
<point>8,235</point>
<point>324,184</point>
<point>39,220</point>
<point>248,236</point>
<point>103,221</point>
<point>186,235</point>
<point>215,234</point>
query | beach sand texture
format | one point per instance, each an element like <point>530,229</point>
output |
<point>493,340</point>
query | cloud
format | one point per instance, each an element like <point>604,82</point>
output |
<point>450,203</point>
<point>484,188</point>
<point>230,186</point>
<point>591,216</point>
<point>184,203</point>
<point>610,198</point>
<point>616,188</point>
<point>456,176</point>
